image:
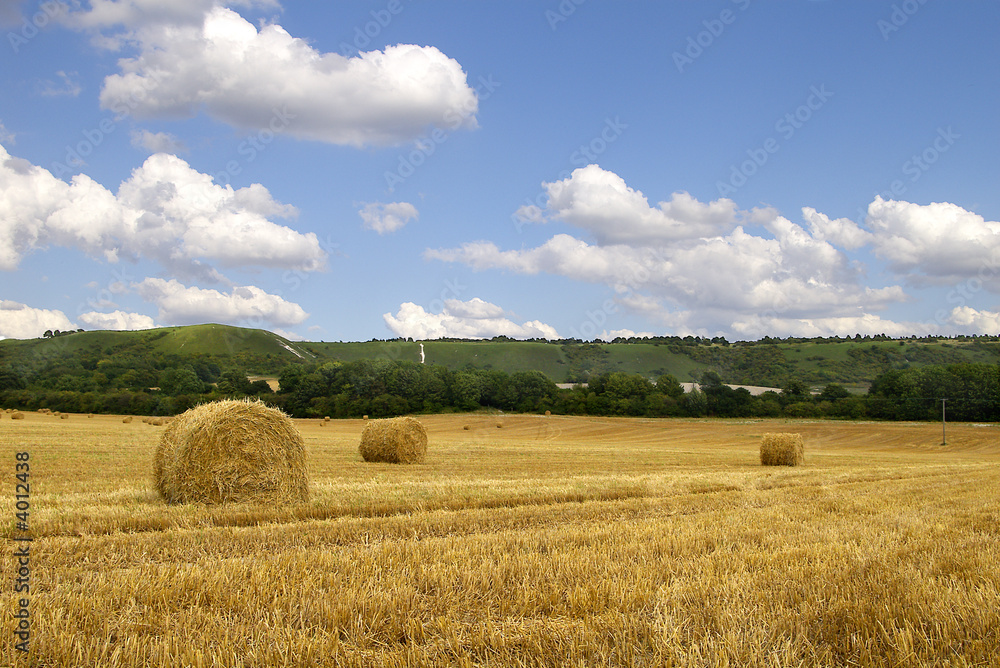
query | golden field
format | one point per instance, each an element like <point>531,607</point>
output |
<point>551,541</point>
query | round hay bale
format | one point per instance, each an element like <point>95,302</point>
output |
<point>548,413</point>
<point>364,417</point>
<point>401,440</point>
<point>64,416</point>
<point>782,449</point>
<point>326,418</point>
<point>17,416</point>
<point>231,451</point>
<point>127,420</point>
<point>466,427</point>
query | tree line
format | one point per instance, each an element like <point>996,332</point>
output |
<point>382,388</point>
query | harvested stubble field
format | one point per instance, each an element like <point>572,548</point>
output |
<point>551,542</point>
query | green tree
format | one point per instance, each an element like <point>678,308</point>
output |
<point>175,382</point>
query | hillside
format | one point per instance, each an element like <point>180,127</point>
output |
<point>816,362</point>
<point>192,340</point>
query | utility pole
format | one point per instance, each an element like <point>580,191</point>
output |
<point>944,436</point>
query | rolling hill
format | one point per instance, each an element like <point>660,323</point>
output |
<point>816,362</point>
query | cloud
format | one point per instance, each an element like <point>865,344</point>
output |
<point>137,14</point>
<point>386,218</point>
<point>623,333</point>
<point>116,320</point>
<point>685,264</point>
<point>971,321</point>
<point>601,203</point>
<point>165,211</point>
<point>157,142</point>
<point>252,78</point>
<point>182,305</point>
<point>941,242</point>
<point>66,86</point>
<point>291,336</point>
<point>865,324</point>
<point>842,232</point>
<point>473,319</point>
<point>20,321</point>
<point>6,137</point>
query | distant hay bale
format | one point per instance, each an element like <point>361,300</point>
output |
<point>364,417</point>
<point>231,451</point>
<point>64,416</point>
<point>127,420</point>
<point>90,415</point>
<point>326,418</point>
<point>17,416</point>
<point>466,427</point>
<point>782,449</point>
<point>401,440</point>
<point>499,425</point>
<point>548,413</point>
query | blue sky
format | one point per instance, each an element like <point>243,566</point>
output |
<point>357,170</point>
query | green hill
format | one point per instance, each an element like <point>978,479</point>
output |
<point>212,340</point>
<point>816,362</point>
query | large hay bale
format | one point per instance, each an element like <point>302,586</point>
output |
<point>127,420</point>
<point>64,416</point>
<point>401,440</point>
<point>17,416</point>
<point>231,451</point>
<point>782,449</point>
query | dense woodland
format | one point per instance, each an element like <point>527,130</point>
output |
<point>96,381</point>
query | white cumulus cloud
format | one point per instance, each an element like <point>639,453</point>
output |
<point>972,321</point>
<point>602,203</point>
<point>157,142</point>
<point>938,242</point>
<point>116,320</point>
<point>265,78</point>
<point>183,305</point>
<point>20,321</point>
<point>165,211</point>
<point>386,218</point>
<point>473,319</point>
<point>690,265</point>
